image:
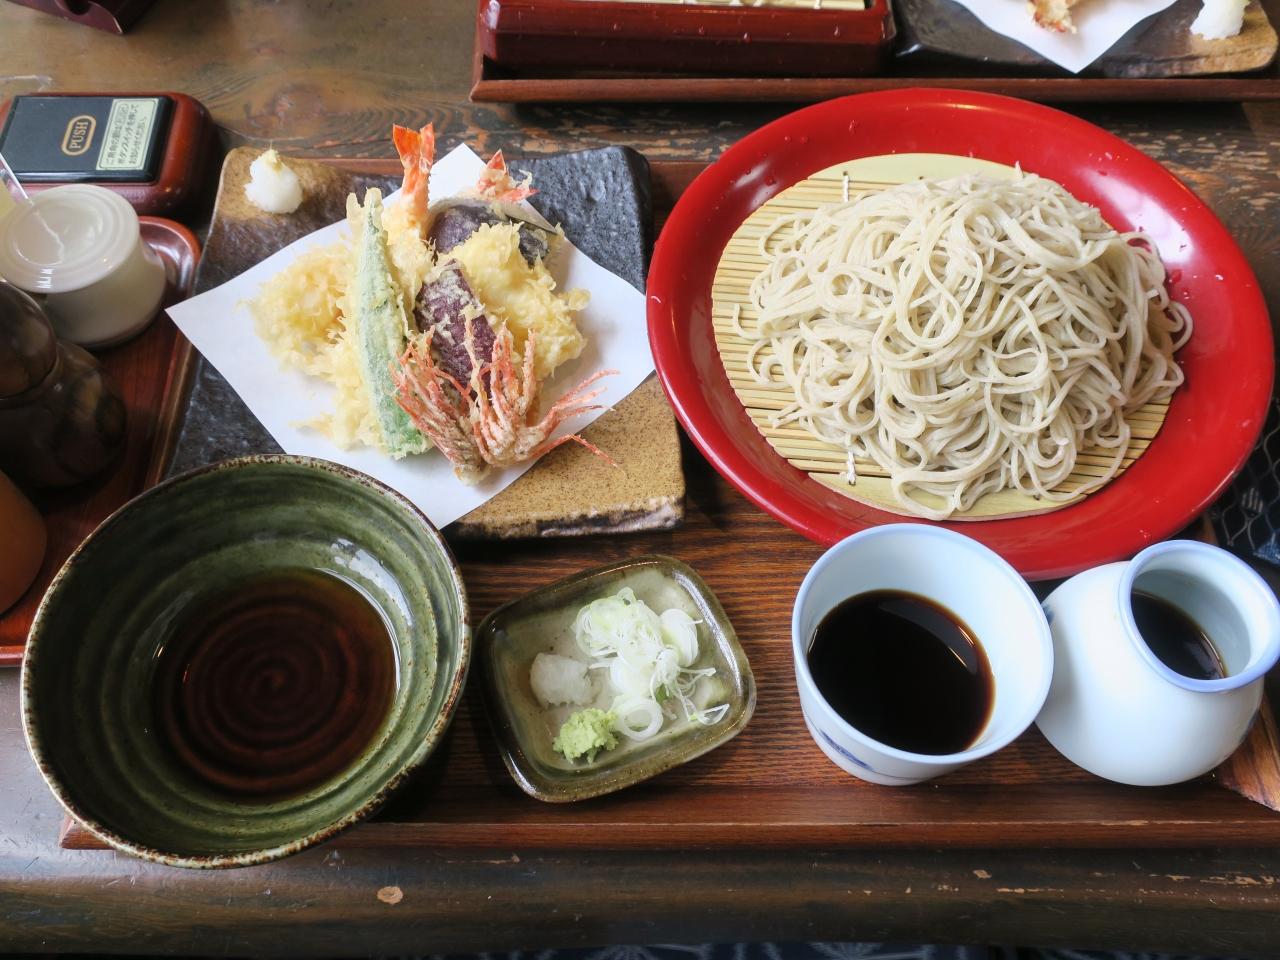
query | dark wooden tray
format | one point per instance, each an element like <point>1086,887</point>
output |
<point>771,786</point>
<point>493,83</point>
<point>146,369</point>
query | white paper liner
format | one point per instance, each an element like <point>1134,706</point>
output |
<point>1099,24</point>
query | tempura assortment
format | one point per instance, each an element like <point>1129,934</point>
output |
<point>437,323</point>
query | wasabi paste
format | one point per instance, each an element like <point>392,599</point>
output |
<point>587,732</point>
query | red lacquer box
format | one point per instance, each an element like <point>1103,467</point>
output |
<point>686,38</point>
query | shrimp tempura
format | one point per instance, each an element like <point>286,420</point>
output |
<point>417,153</point>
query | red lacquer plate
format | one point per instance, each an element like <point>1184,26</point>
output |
<point>1213,421</point>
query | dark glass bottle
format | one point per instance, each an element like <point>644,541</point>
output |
<point>61,419</point>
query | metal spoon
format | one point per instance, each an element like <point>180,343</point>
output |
<point>10,180</point>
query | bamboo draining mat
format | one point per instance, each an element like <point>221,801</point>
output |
<point>827,462</point>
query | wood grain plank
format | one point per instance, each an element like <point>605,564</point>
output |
<point>820,818</point>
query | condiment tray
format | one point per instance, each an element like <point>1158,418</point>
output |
<point>146,369</point>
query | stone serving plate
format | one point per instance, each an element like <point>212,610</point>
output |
<point>1162,45</point>
<point>511,636</point>
<point>88,673</point>
<point>602,199</point>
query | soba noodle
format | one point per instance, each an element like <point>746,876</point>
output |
<point>968,335</point>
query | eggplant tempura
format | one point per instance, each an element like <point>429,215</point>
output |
<point>437,323</point>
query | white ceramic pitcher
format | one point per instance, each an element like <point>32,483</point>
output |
<point>1114,708</point>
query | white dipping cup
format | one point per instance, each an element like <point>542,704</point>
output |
<point>962,576</point>
<point>80,248</point>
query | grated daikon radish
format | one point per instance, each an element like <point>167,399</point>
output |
<point>557,680</point>
<point>273,187</point>
<point>1219,19</point>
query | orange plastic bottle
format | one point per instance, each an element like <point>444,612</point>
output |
<point>22,543</point>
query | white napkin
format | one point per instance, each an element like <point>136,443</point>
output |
<point>1099,24</point>
<point>219,325</point>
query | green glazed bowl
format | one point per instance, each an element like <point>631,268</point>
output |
<point>90,658</point>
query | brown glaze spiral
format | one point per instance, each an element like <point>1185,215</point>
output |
<point>276,685</point>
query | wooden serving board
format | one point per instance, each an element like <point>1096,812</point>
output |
<point>771,786</point>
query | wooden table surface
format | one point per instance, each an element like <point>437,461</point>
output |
<point>328,80</point>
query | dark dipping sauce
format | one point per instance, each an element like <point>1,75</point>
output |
<point>904,671</point>
<point>1175,638</point>
<point>276,685</point>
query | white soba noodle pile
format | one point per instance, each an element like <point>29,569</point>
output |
<point>968,335</point>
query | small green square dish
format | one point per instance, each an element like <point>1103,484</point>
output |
<point>542,622</point>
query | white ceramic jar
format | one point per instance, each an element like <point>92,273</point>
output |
<point>80,247</point>
<point>970,581</point>
<point>1114,708</point>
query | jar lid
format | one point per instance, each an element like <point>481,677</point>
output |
<point>66,238</point>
